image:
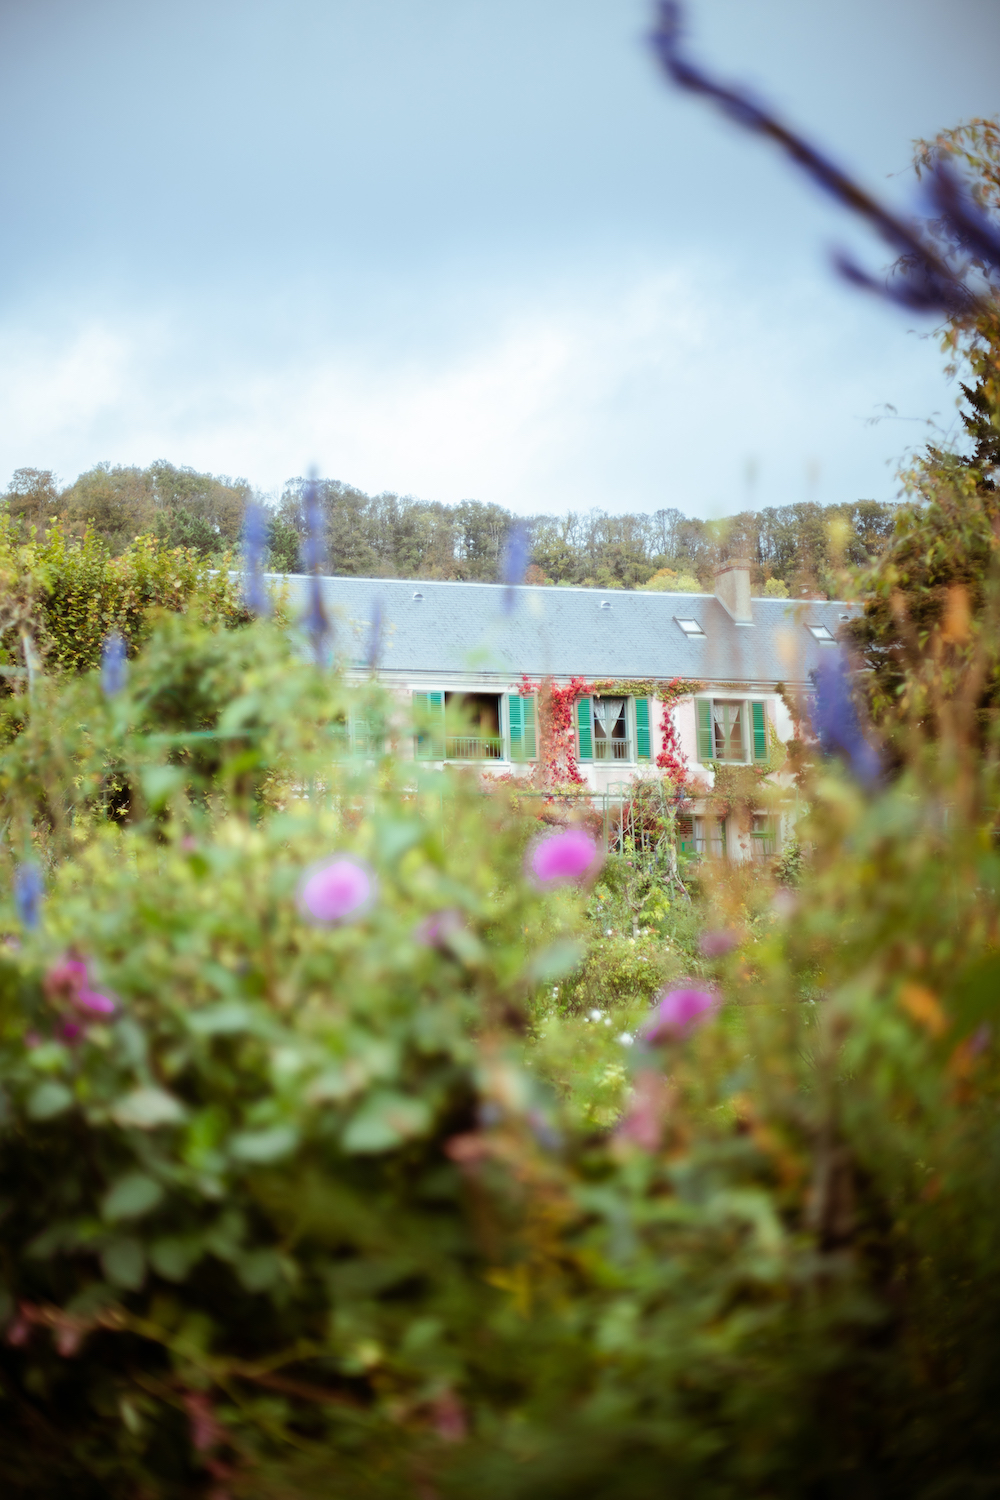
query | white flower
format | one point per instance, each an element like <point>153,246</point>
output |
<point>626,1039</point>
<point>596,1015</point>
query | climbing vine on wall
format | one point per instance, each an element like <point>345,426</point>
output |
<point>737,789</point>
<point>556,765</point>
<point>557,762</point>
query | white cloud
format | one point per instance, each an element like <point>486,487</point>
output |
<point>627,392</point>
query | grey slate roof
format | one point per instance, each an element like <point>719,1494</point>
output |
<point>462,629</point>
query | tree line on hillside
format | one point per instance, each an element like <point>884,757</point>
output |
<point>792,548</point>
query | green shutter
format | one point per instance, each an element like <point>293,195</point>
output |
<point>759,731</point>
<point>515,721</point>
<point>528,711</point>
<point>367,735</point>
<point>585,727</point>
<point>642,729</point>
<point>704,729</point>
<point>428,714</point>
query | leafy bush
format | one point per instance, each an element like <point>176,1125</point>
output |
<point>67,596</point>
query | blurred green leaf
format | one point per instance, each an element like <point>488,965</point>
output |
<point>146,1108</point>
<point>385,1120</point>
<point>48,1100</point>
<point>160,783</point>
<point>131,1196</point>
<point>124,1264</point>
<point>173,1256</point>
<point>259,1270</point>
<point>225,1018</point>
<point>262,1146</point>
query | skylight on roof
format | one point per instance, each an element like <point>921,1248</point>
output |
<point>689,627</point>
<point>822,634</point>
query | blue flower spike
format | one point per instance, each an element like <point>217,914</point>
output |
<point>114,665</point>
<point>254,548</point>
<point>316,621</point>
<point>514,562</point>
<point>925,281</point>
<point>28,892</point>
<point>836,722</point>
<point>374,650</point>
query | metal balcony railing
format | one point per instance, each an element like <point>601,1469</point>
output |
<point>612,749</point>
<point>473,747</point>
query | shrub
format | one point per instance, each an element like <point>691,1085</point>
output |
<point>69,595</point>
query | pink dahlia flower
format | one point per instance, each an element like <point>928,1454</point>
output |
<point>68,982</point>
<point>679,1012</point>
<point>563,858</point>
<point>337,889</point>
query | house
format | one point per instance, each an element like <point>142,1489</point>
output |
<point>467,656</point>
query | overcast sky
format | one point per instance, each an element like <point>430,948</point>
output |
<point>464,248</point>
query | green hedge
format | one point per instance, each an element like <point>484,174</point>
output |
<point>69,594</point>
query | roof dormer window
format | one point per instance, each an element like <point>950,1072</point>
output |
<point>689,627</point>
<point>822,634</point>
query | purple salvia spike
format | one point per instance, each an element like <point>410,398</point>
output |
<point>316,620</point>
<point>927,284</point>
<point>254,547</point>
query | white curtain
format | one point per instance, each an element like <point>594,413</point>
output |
<point>728,717</point>
<point>607,713</point>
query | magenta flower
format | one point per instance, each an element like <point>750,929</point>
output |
<point>679,1012</point>
<point>337,889</point>
<point>564,857</point>
<point>68,984</point>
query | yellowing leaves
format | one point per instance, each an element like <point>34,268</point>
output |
<point>923,1006</point>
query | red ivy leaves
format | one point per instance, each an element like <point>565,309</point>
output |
<point>671,757</point>
<point>557,763</point>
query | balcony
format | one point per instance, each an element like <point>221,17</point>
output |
<point>612,749</point>
<point>473,747</point>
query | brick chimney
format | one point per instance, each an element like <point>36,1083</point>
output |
<point>732,589</point>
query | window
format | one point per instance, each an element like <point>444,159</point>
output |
<point>710,837</point>
<point>763,836</point>
<point>822,634</point>
<point>613,729</point>
<point>702,836</point>
<point>472,726</point>
<point>727,731</point>
<point>355,735</point>
<point>689,627</point>
<point>469,726</point>
<point>732,730</point>
<point>611,741</point>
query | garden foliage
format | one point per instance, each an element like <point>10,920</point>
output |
<point>319,1207</point>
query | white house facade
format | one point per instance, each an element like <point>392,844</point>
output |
<point>466,658</point>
